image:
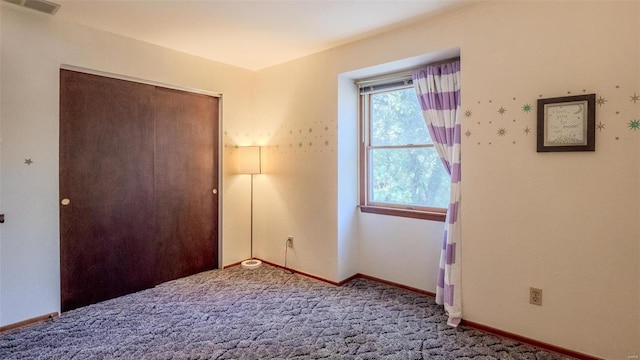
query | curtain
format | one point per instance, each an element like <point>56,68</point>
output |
<point>438,89</point>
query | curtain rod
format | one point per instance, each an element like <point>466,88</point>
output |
<point>401,74</point>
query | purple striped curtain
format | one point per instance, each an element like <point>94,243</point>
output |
<point>438,89</point>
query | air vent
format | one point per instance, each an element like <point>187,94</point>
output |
<point>39,5</point>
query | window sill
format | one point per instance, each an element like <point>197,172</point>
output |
<point>414,214</point>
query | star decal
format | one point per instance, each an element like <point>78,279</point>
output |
<point>468,133</point>
<point>527,108</point>
<point>502,110</point>
<point>28,161</point>
<point>635,98</point>
<point>468,113</point>
<point>526,130</point>
<point>600,126</point>
<point>502,132</point>
<point>600,101</point>
<point>634,124</point>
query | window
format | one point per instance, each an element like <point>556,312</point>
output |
<point>400,171</point>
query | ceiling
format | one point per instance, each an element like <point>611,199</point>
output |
<point>249,34</point>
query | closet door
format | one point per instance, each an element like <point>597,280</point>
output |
<point>186,177</point>
<point>138,169</point>
<point>107,229</point>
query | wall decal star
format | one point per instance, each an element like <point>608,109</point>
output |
<point>468,113</point>
<point>502,110</point>
<point>526,130</point>
<point>600,101</point>
<point>28,161</point>
<point>502,132</point>
<point>634,124</point>
<point>635,97</point>
<point>600,126</point>
<point>527,108</point>
<point>468,133</point>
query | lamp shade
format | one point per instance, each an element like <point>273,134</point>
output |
<point>250,159</point>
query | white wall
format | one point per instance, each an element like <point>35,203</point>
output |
<point>347,214</point>
<point>32,49</point>
<point>566,223</point>
<point>297,193</point>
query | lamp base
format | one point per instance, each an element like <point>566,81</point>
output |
<point>251,264</point>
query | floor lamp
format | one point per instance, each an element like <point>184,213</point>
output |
<point>251,164</point>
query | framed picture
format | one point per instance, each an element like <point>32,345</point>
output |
<point>567,123</point>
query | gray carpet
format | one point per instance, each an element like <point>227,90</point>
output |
<point>260,314</point>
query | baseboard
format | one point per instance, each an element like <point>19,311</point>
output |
<point>300,272</point>
<point>471,324</point>
<point>391,283</point>
<point>23,323</point>
<point>232,265</point>
<point>525,340</point>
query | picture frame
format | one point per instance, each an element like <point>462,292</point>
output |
<point>567,123</point>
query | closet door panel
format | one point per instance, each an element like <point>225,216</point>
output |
<point>186,174</point>
<point>106,173</point>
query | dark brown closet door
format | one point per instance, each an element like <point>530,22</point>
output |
<point>106,173</point>
<point>138,164</point>
<point>186,175</point>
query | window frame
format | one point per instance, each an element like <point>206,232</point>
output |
<point>389,83</point>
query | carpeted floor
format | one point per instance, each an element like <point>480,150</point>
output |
<point>260,314</point>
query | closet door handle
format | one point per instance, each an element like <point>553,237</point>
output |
<point>215,191</point>
<point>65,202</point>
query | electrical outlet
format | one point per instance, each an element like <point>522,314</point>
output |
<point>535,296</point>
<point>290,241</point>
